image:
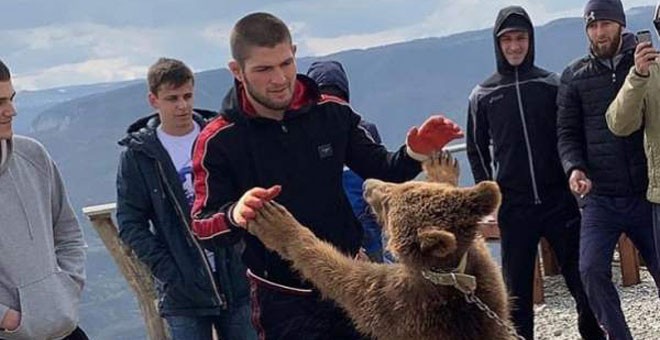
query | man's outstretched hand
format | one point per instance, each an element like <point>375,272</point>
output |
<point>433,135</point>
<point>252,200</point>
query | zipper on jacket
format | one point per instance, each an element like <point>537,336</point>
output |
<point>221,298</point>
<point>530,159</point>
<point>284,128</point>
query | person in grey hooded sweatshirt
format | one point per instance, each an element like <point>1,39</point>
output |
<point>515,110</point>
<point>42,266</point>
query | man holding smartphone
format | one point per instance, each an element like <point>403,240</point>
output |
<point>609,171</point>
<point>637,107</point>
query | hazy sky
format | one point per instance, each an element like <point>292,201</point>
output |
<point>50,43</point>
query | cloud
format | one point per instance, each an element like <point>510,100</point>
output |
<point>40,57</point>
<point>100,70</point>
<point>37,50</point>
<point>448,17</point>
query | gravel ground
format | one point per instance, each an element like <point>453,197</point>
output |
<point>556,319</point>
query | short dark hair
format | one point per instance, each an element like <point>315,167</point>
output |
<point>257,29</point>
<point>5,75</point>
<point>168,71</point>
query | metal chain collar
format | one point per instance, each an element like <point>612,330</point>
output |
<point>467,284</point>
<point>473,299</point>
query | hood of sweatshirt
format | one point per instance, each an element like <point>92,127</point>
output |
<point>504,18</point>
<point>329,73</point>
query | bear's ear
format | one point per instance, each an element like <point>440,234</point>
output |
<point>435,241</point>
<point>485,198</point>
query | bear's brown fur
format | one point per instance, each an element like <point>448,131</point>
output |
<point>430,226</point>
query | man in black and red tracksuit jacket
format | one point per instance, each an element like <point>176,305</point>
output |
<point>276,137</point>
<point>515,109</point>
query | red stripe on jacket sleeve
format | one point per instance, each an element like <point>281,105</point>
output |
<point>206,227</point>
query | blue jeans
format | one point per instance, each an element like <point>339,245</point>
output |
<point>604,218</point>
<point>233,324</point>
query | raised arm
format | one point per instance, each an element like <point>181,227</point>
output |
<point>625,114</point>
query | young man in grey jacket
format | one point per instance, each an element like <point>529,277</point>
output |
<point>43,252</point>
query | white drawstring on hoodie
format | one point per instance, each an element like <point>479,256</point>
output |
<point>3,152</point>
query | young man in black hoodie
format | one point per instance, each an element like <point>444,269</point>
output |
<point>609,171</point>
<point>198,289</point>
<point>278,138</point>
<point>515,110</point>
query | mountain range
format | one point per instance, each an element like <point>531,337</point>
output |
<point>395,86</point>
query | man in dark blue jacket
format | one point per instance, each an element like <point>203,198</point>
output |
<point>332,81</point>
<point>609,171</point>
<point>515,109</point>
<point>199,289</point>
<point>277,138</point>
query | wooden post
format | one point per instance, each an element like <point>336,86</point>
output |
<point>539,296</point>
<point>549,259</point>
<point>629,261</point>
<point>135,272</point>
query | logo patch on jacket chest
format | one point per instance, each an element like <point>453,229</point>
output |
<point>496,98</point>
<point>325,151</point>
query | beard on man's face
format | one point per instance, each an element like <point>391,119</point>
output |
<point>607,51</point>
<point>263,100</point>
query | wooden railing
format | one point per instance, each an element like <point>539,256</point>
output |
<point>135,272</point>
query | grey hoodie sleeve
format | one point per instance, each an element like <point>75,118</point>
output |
<point>68,236</point>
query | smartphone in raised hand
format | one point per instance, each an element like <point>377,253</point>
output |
<point>643,36</point>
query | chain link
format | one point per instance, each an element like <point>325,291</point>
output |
<point>473,299</point>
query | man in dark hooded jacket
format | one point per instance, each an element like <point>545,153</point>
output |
<point>199,289</point>
<point>609,171</point>
<point>332,80</point>
<point>515,110</point>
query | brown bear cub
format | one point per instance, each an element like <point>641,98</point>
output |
<point>433,231</point>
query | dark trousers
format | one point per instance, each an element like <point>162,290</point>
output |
<point>557,219</point>
<point>656,229</point>
<point>603,220</point>
<point>281,314</point>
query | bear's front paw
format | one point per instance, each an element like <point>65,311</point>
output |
<point>273,225</point>
<point>442,168</point>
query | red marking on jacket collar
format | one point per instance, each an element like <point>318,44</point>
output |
<point>301,97</point>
